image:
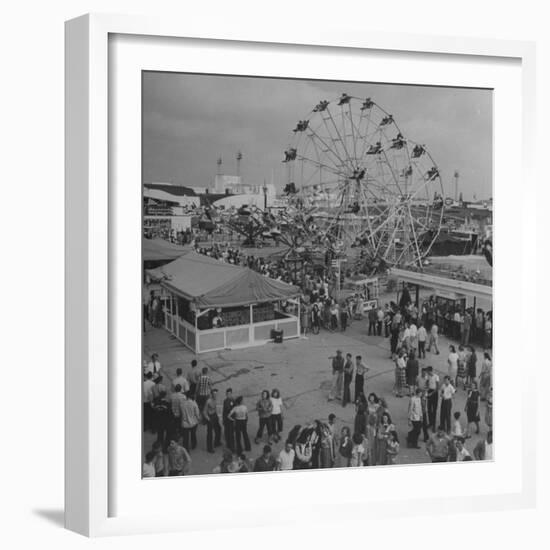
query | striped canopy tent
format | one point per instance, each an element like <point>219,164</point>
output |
<point>208,282</point>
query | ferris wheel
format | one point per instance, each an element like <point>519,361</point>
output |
<point>365,184</point>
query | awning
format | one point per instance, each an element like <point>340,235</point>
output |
<point>443,284</point>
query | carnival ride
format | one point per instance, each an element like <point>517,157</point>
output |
<point>361,183</point>
<point>291,228</point>
<point>356,186</point>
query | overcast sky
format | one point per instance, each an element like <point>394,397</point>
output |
<point>191,120</point>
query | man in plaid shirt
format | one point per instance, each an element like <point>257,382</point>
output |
<point>204,387</point>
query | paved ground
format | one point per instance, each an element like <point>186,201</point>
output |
<point>300,369</point>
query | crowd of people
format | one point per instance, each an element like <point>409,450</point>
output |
<point>275,269</point>
<point>466,325</point>
<point>174,412</point>
<point>321,310</point>
<point>175,418</point>
<point>181,237</point>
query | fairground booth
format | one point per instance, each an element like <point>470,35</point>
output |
<point>211,305</point>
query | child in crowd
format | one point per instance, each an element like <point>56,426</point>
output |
<point>458,430</point>
<point>392,448</point>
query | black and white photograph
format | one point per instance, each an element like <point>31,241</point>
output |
<point>285,216</point>
<point>317,274</point>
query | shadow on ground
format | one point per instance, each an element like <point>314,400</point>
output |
<point>56,517</point>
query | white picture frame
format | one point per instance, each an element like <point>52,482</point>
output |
<point>92,210</point>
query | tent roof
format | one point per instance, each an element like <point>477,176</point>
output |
<point>159,249</point>
<point>211,283</point>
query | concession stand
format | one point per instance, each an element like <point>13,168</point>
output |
<point>211,305</point>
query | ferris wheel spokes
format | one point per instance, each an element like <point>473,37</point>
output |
<point>340,153</point>
<point>352,134</point>
<point>396,180</point>
<point>314,134</point>
<point>320,165</point>
<point>348,157</point>
<point>365,140</point>
<point>413,230</point>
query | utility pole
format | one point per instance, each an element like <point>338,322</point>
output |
<point>219,163</point>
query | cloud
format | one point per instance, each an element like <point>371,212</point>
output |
<point>191,120</point>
